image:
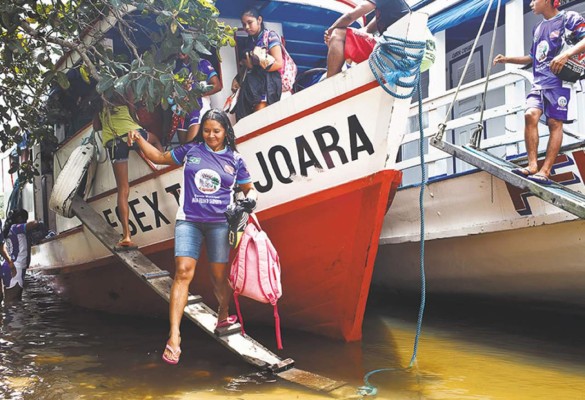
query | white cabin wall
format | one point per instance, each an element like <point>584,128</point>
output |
<point>455,61</point>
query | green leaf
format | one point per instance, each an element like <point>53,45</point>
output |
<point>121,83</point>
<point>166,78</point>
<point>105,84</point>
<point>199,47</point>
<point>48,78</point>
<point>62,80</point>
<point>141,83</point>
<point>151,89</point>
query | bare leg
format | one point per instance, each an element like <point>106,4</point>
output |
<point>336,53</point>
<point>121,174</point>
<point>13,294</point>
<point>221,288</point>
<point>555,141</point>
<point>188,136</point>
<point>531,118</point>
<point>260,106</point>
<point>153,140</point>
<point>185,270</point>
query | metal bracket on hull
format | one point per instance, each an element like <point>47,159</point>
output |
<point>244,346</point>
<point>554,193</point>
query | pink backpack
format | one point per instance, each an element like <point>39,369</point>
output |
<point>255,272</point>
<point>288,72</point>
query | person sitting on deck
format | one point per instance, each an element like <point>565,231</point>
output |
<point>16,253</point>
<point>347,43</point>
<point>187,126</point>
<point>211,169</point>
<point>549,94</point>
<point>116,120</point>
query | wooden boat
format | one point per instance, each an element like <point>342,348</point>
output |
<point>483,236</point>
<point>319,161</point>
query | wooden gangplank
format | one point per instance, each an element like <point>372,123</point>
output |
<point>555,194</point>
<point>204,317</point>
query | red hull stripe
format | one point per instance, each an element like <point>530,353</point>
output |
<point>308,111</point>
<point>328,261</point>
<point>256,133</point>
<point>273,212</point>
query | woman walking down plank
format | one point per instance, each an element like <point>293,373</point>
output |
<point>211,169</point>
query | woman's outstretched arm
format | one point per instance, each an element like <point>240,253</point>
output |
<point>149,151</point>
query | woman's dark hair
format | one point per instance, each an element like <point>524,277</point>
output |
<point>17,216</point>
<point>221,117</point>
<point>254,12</point>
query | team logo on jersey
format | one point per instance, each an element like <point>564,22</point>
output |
<point>229,169</point>
<point>193,160</point>
<point>554,34</point>
<point>207,181</point>
<point>542,51</point>
<point>562,102</point>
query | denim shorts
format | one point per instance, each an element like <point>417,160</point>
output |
<point>189,237</point>
<point>118,149</point>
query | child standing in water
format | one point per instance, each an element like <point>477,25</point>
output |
<point>16,253</point>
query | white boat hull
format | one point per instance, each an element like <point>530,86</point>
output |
<point>486,238</point>
<point>319,162</point>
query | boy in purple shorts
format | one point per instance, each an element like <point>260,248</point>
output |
<point>549,95</point>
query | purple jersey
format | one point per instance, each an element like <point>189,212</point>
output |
<point>204,66</point>
<point>547,43</point>
<point>17,248</point>
<point>260,41</point>
<point>209,179</point>
<point>16,244</point>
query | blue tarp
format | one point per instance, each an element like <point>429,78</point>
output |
<point>461,13</point>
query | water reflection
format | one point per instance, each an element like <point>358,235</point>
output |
<point>469,350</point>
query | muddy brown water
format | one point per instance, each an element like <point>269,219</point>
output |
<point>469,349</point>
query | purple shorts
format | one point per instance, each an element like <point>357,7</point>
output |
<point>554,103</point>
<point>6,274</point>
<point>194,118</point>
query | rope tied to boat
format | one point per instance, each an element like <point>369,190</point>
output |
<point>395,62</point>
<point>368,389</point>
<point>92,139</point>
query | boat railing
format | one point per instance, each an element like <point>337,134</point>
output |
<point>503,122</point>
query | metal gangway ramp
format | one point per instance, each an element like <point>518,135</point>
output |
<point>554,193</point>
<point>203,316</point>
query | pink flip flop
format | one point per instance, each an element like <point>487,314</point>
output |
<point>176,354</point>
<point>232,319</point>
